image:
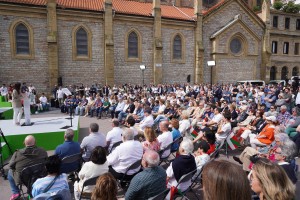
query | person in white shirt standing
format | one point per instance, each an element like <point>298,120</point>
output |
<point>124,156</point>
<point>26,103</point>
<point>115,135</point>
<point>165,138</point>
<point>60,96</point>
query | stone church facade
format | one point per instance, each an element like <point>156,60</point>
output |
<point>45,42</point>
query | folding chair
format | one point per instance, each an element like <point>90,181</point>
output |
<point>124,182</point>
<point>89,182</point>
<point>72,159</point>
<point>161,153</point>
<point>114,146</point>
<point>161,196</point>
<point>186,178</point>
<point>176,141</point>
<point>29,175</point>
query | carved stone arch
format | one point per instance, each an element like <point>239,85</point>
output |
<point>89,43</point>
<point>13,42</point>
<point>182,40</point>
<point>139,46</point>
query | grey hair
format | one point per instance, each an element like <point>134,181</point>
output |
<point>128,134</point>
<point>288,150</point>
<point>282,137</point>
<point>94,127</point>
<point>185,114</point>
<point>283,107</point>
<point>152,158</point>
<point>187,145</point>
<point>69,134</point>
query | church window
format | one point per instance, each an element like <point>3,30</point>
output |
<point>82,43</point>
<point>236,46</point>
<point>133,51</point>
<point>21,40</point>
<point>177,47</point>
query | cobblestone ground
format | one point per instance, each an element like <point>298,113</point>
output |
<point>105,126</point>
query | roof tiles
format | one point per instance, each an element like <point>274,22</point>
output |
<point>123,7</point>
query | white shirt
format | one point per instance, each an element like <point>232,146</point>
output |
<point>135,131</point>
<point>113,136</point>
<point>120,106</point>
<point>3,91</point>
<point>298,98</point>
<point>126,107</point>
<point>226,128</point>
<point>161,108</point>
<point>43,99</point>
<point>125,155</point>
<point>184,125</point>
<point>60,94</point>
<point>165,139</point>
<point>147,122</point>
<point>89,170</point>
<point>217,118</point>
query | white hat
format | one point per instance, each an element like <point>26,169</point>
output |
<point>271,118</point>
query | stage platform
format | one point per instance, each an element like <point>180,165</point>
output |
<point>47,131</point>
<point>6,113</point>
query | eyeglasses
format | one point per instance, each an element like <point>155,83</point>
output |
<point>272,108</point>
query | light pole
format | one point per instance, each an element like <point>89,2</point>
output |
<point>211,64</point>
<point>143,67</point>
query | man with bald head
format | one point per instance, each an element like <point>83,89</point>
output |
<point>124,155</point>
<point>150,182</point>
<point>165,138</point>
<point>22,158</point>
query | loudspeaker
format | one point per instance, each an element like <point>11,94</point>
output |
<point>188,78</point>
<point>59,81</point>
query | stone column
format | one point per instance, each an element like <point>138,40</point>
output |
<point>199,51</point>
<point>52,44</point>
<point>266,50</point>
<point>157,44</point>
<point>108,43</point>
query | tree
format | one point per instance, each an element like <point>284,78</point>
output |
<point>291,7</point>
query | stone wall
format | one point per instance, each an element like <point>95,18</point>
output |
<point>32,71</point>
<point>129,71</point>
<point>76,71</point>
<point>178,71</point>
<point>215,22</point>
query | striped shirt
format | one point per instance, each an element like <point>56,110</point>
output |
<point>40,184</point>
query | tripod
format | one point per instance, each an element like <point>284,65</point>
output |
<point>2,165</point>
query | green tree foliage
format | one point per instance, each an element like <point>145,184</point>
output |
<point>291,7</point>
<point>277,5</point>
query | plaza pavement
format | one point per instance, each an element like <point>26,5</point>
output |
<point>105,126</point>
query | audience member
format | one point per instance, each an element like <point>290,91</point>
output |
<point>182,165</point>
<point>95,167</point>
<point>54,182</point>
<point>151,142</point>
<point>269,181</point>
<point>91,141</point>
<point>166,138</point>
<point>22,158</point>
<point>224,180</point>
<point>106,188</point>
<point>150,182</point>
<point>124,156</point>
<point>68,148</point>
<point>115,135</point>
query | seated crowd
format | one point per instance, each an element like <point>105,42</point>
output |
<point>149,124</point>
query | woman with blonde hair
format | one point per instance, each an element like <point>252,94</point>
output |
<point>151,142</point>
<point>106,188</point>
<point>184,124</point>
<point>270,182</point>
